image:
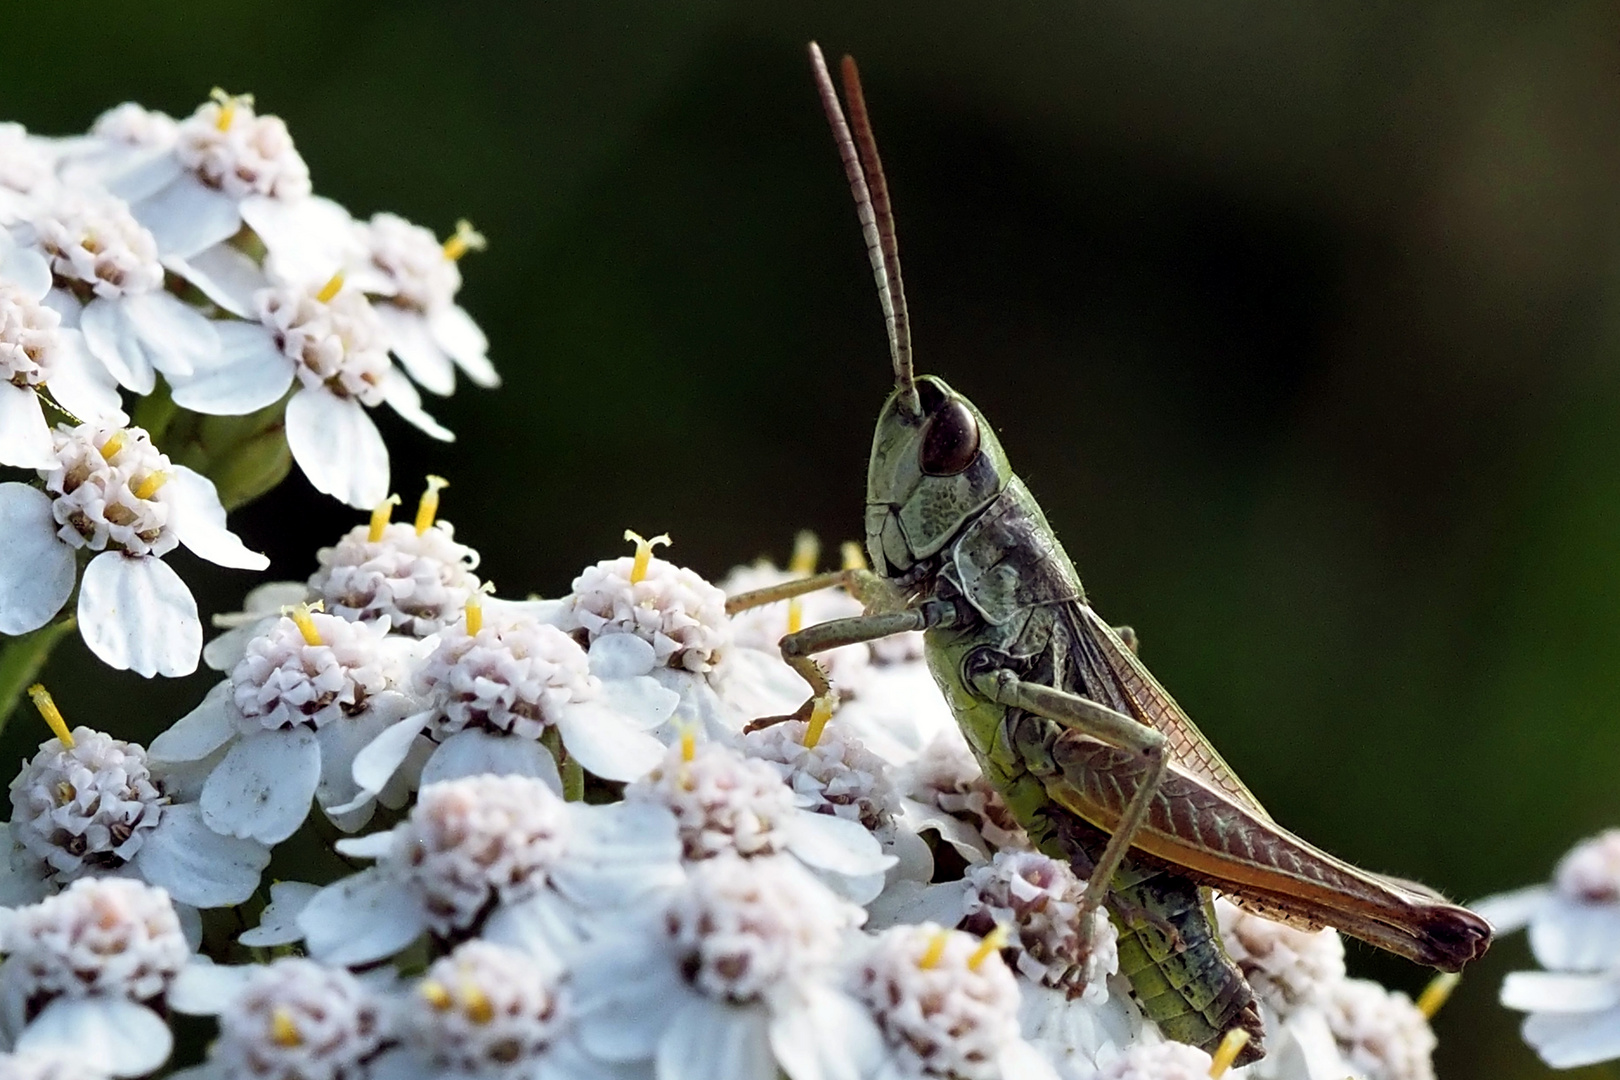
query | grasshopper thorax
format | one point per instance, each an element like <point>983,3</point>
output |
<point>931,473</point>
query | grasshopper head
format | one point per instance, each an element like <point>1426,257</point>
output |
<point>931,471</point>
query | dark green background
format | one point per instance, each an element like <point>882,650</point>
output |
<point>1298,318</point>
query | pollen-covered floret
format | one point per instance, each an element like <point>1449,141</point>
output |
<point>337,341</point>
<point>25,163</point>
<point>85,808</point>
<point>108,490</point>
<point>28,337</point>
<point>1287,967</point>
<point>233,149</point>
<point>941,1001</point>
<point>284,680</point>
<point>946,777</point>
<point>722,801</point>
<point>421,582</point>
<point>680,614</point>
<point>414,260</point>
<point>837,775</point>
<point>485,1010</point>
<point>1038,898</point>
<point>514,676</point>
<point>1590,872</point>
<point>299,1020</point>
<point>136,125</point>
<point>95,243</point>
<point>1158,1061</point>
<point>1381,1033</point>
<point>471,841</point>
<point>739,927</point>
<point>106,936</point>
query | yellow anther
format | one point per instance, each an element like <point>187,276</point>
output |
<point>795,615</point>
<point>688,743</point>
<point>638,569</point>
<point>115,442</point>
<point>380,516</point>
<point>435,994</point>
<point>854,558</point>
<point>478,1007</point>
<point>820,713</point>
<point>936,950</point>
<point>989,945</point>
<point>64,793</point>
<point>465,239</point>
<point>228,104</point>
<point>333,286</point>
<point>53,716</point>
<point>1232,1044</point>
<point>427,507</point>
<point>150,483</point>
<point>474,611</point>
<point>283,1028</point>
<point>806,551</point>
<point>1436,993</point>
<point>300,615</point>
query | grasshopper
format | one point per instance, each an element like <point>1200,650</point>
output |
<point>1097,762</point>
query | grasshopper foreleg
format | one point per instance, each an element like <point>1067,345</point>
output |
<point>874,593</point>
<point>1106,725</point>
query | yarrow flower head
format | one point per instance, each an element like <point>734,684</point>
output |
<point>948,794</point>
<point>490,844</point>
<point>834,774</point>
<point>1038,898</point>
<point>1382,1034</point>
<point>1287,967</point>
<point>114,493</point>
<point>418,579</point>
<point>679,614</point>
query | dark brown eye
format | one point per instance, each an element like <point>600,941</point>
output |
<point>951,441</point>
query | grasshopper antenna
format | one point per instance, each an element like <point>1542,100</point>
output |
<point>876,213</point>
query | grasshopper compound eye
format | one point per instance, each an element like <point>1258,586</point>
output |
<point>951,440</point>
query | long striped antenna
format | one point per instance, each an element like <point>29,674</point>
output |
<point>876,213</point>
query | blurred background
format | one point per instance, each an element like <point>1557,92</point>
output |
<point>1301,321</point>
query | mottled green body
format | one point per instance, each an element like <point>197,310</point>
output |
<point>1006,565</point>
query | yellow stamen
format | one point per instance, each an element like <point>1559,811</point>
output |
<point>53,716</point>
<point>333,286</point>
<point>300,615</point>
<point>1435,994</point>
<point>936,950</point>
<point>474,610</point>
<point>854,558</point>
<point>64,793</point>
<point>114,443</point>
<point>1232,1044</point>
<point>149,485</point>
<point>380,517</point>
<point>435,994</point>
<point>465,239</point>
<point>820,713</point>
<point>795,615</point>
<point>688,743</point>
<point>992,943</point>
<point>806,550</point>
<point>228,104</point>
<point>644,548</point>
<point>427,508</point>
<point>478,1007</point>
<point>283,1028</point>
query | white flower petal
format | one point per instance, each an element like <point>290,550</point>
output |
<point>377,763</point>
<point>81,384</point>
<point>343,740</point>
<point>205,989</point>
<point>800,1036</point>
<point>196,864</point>
<point>278,923</point>
<point>418,353</point>
<point>474,751</point>
<point>25,437</point>
<point>201,731</point>
<point>543,926</point>
<point>136,614</point>
<point>1571,1040</point>
<point>403,399</point>
<point>22,876</point>
<point>113,341</point>
<point>106,1034</point>
<point>627,991</point>
<point>913,902</point>
<point>198,519</point>
<point>1510,911</point>
<point>642,701</point>
<point>174,334</point>
<point>247,373</point>
<point>1556,991</point>
<point>836,844</point>
<point>622,656</point>
<point>224,275</point>
<point>338,447</point>
<point>27,269</point>
<point>145,174</point>
<point>371,846</point>
<point>308,239</point>
<point>36,568</point>
<point>185,216</point>
<point>1568,935</point>
<point>455,332</point>
<point>360,919</point>
<point>709,1039</point>
<point>262,790</point>
<point>622,852</point>
<point>607,744</point>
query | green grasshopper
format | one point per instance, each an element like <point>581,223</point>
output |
<point>1095,759</point>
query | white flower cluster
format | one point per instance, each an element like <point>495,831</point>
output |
<point>190,261</point>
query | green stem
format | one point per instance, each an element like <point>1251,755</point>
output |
<point>156,411</point>
<point>21,659</point>
<point>573,775</point>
